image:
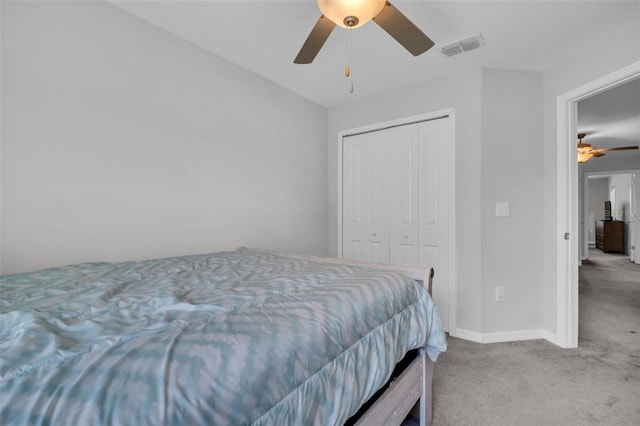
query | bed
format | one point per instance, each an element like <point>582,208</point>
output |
<point>230,338</point>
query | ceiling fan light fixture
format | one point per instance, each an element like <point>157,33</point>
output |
<point>356,13</point>
<point>583,157</point>
<point>351,13</point>
<point>585,151</point>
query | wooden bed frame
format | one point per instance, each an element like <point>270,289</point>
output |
<point>415,383</point>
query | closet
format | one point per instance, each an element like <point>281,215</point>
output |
<point>396,193</point>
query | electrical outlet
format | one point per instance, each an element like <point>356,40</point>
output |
<point>499,294</point>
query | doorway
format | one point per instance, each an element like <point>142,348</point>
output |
<point>568,249</point>
<point>620,190</point>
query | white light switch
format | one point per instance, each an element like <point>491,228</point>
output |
<point>502,209</point>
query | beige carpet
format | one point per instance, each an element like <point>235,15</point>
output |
<point>537,383</point>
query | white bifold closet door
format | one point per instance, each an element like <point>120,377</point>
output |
<point>395,205</point>
<point>365,210</point>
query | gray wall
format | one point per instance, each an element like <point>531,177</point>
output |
<point>497,161</point>
<point>511,170</point>
<point>121,141</point>
<point>498,120</point>
<point>621,48</point>
<point>462,92</point>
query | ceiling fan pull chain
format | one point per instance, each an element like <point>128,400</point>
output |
<point>347,69</point>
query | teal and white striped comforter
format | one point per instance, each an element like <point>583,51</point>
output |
<point>231,338</point>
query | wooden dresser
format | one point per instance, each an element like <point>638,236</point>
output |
<point>610,235</point>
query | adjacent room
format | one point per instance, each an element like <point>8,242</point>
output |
<point>608,123</point>
<point>411,166</point>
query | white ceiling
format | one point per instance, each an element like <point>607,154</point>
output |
<point>264,36</point>
<point>612,118</point>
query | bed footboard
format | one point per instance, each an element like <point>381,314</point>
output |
<point>415,382</point>
<point>393,406</point>
<point>426,399</point>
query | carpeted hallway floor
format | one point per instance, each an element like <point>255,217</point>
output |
<point>537,383</point>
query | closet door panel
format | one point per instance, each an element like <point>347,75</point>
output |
<point>365,215</point>
<point>435,189</point>
<point>403,195</point>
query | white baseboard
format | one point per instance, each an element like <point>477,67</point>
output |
<point>505,336</point>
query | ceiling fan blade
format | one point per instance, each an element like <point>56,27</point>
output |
<point>403,30</point>
<point>598,154</point>
<point>619,148</point>
<point>319,34</point>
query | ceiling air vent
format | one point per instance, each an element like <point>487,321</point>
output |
<point>464,45</point>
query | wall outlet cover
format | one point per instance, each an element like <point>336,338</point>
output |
<point>502,209</point>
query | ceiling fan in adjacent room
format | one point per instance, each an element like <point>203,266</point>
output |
<point>586,151</point>
<point>355,13</point>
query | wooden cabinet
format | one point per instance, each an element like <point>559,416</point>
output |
<point>610,235</point>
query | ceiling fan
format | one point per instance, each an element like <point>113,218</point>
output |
<point>586,151</point>
<point>354,14</point>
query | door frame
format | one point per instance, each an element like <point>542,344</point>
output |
<point>567,246</point>
<point>451,176</point>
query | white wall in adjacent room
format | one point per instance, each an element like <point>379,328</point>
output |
<point>620,183</point>
<point>598,194</point>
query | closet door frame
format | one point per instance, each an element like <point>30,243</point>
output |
<point>450,113</point>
